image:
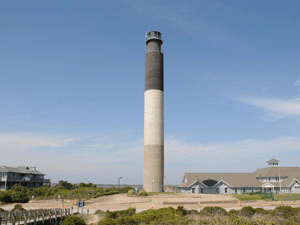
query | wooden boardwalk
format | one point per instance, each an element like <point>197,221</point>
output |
<point>40,216</point>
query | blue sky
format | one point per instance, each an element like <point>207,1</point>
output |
<point>72,86</point>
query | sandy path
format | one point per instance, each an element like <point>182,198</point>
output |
<point>122,201</point>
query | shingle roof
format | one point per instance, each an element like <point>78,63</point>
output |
<point>233,179</point>
<point>273,161</point>
<point>274,171</point>
<point>19,169</point>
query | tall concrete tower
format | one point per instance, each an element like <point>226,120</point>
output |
<point>154,114</point>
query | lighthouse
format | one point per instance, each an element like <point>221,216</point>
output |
<point>154,114</point>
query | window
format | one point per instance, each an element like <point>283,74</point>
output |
<point>201,190</point>
<point>235,190</point>
<point>225,190</point>
<point>244,190</point>
<point>193,190</point>
<point>217,189</point>
<point>269,178</point>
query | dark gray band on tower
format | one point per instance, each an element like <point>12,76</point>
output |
<point>154,70</point>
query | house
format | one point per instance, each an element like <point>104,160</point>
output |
<point>273,179</point>
<point>25,176</point>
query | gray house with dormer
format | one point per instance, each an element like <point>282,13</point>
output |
<point>25,176</point>
<point>273,179</point>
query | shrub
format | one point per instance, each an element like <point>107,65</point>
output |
<point>261,211</point>
<point>73,220</point>
<point>142,192</point>
<point>118,214</point>
<point>159,216</point>
<point>18,207</point>
<point>2,210</point>
<point>209,211</point>
<point>100,212</point>
<point>125,189</point>
<point>19,194</point>
<point>285,211</point>
<point>182,210</point>
<point>131,192</point>
<point>127,220</point>
<point>5,197</point>
<point>192,212</point>
<point>234,212</point>
<point>107,221</point>
<point>248,211</point>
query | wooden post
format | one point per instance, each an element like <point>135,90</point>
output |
<point>43,217</point>
<point>34,218</point>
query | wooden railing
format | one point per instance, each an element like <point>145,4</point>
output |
<point>33,216</point>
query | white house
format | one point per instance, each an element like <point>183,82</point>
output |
<point>270,179</point>
<point>22,175</point>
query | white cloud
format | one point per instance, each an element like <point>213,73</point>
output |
<point>65,158</point>
<point>241,150</point>
<point>276,108</point>
<point>18,141</point>
<point>240,156</point>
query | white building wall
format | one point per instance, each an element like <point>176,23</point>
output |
<point>295,188</point>
<point>218,189</point>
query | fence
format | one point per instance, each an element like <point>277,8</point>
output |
<point>51,216</point>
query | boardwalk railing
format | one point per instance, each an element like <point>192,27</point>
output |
<point>33,216</point>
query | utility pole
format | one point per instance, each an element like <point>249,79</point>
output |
<point>119,181</point>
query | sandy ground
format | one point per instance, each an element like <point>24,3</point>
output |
<point>122,201</point>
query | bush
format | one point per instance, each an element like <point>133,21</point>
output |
<point>131,192</point>
<point>210,211</point>
<point>5,197</point>
<point>2,210</point>
<point>261,211</point>
<point>100,212</point>
<point>159,216</point>
<point>107,221</point>
<point>118,214</point>
<point>18,207</point>
<point>73,220</point>
<point>285,211</point>
<point>248,211</point>
<point>182,210</point>
<point>234,212</point>
<point>127,220</point>
<point>142,192</point>
<point>19,194</point>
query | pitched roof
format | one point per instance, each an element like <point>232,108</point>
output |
<point>275,171</point>
<point>273,161</point>
<point>19,169</point>
<point>233,179</point>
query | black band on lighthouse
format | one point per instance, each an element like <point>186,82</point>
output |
<point>154,71</point>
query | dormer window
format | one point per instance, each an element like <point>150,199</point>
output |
<point>185,180</point>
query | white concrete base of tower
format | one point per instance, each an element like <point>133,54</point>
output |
<point>154,141</point>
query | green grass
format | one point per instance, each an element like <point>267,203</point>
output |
<point>287,197</point>
<point>254,196</point>
<point>282,215</point>
<point>20,194</point>
<point>267,196</point>
<point>161,193</point>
